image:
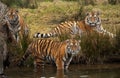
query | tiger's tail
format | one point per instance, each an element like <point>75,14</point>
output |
<point>44,35</point>
<point>24,57</point>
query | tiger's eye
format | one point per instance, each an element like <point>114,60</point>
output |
<point>9,13</point>
<point>13,13</point>
<point>71,43</point>
<point>95,15</point>
<point>90,15</point>
<point>76,43</point>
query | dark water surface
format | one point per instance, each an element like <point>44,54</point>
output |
<point>75,71</point>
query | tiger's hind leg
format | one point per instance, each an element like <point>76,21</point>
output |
<point>39,64</point>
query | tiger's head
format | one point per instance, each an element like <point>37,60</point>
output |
<point>73,46</point>
<point>92,19</point>
<point>12,15</point>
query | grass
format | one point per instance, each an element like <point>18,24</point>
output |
<point>49,14</point>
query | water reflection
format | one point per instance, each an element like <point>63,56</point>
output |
<point>75,71</point>
<point>50,74</point>
<point>60,74</point>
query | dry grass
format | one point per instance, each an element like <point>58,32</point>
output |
<point>50,14</point>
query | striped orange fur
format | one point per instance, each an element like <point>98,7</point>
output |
<point>60,53</point>
<point>92,22</point>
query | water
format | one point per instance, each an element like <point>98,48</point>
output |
<point>75,71</point>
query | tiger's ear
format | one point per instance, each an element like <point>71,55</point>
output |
<point>87,13</point>
<point>17,10</point>
<point>98,13</point>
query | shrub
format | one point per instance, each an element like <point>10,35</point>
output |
<point>113,2</point>
<point>96,48</point>
<point>21,3</point>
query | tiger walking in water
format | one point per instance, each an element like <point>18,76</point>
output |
<point>61,53</point>
<point>91,23</point>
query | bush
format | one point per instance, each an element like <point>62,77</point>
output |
<point>96,48</point>
<point>10,3</point>
<point>21,3</point>
<point>114,2</point>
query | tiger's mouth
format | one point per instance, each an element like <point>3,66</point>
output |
<point>93,24</point>
<point>73,52</point>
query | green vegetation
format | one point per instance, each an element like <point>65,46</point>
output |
<point>21,3</point>
<point>49,15</point>
<point>95,48</point>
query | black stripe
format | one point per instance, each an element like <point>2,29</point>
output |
<point>47,46</point>
<point>41,35</point>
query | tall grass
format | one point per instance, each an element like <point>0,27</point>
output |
<point>16,50</point>
<point>117,42</point>
<point>96,48</point>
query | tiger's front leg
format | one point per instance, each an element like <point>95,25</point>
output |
<point>60,64</point>
<point>67,62</point>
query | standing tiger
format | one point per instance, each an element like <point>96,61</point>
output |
<point>16,24</point>
<point>61,53</point>
<point>92,22</point>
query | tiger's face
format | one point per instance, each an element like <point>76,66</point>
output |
<point>73,46</point>
<point>13,23</point>
<point>92,19</point>
<point>12,15</point>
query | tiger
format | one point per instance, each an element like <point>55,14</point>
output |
<point>16,24</point>
<point>91,22</point>
<point>58,52</point>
